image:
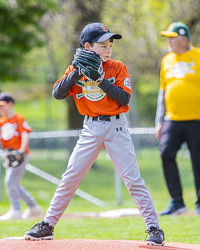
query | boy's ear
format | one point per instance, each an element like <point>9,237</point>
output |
<point>87,46</point>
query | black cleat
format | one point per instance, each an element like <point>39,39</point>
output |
<point>156,236</point>
<point>174,208</point>
<point>39,231</point>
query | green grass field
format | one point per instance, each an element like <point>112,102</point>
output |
<point>177,229</point>
<point>100,182</point>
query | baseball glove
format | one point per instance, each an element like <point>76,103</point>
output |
<point>88,63</point>
<point>14,158</point>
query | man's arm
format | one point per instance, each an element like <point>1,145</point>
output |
<point>160,113</point>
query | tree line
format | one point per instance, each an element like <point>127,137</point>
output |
<point>46,33</point>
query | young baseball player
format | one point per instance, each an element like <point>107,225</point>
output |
<point>101,88</point>
<point>14,135</point>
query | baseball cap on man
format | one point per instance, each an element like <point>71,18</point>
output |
<point>5,98</point>
<point>96,32</point>
<point>176,29</point>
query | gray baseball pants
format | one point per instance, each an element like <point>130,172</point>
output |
<point>14,190</point>
<point>96,135</point>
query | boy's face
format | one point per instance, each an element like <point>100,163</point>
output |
<point>5,109</point>
<point>104,49</point>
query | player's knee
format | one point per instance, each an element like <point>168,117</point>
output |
<point>10,184</point>
<point>168,157</point>
<point>167,153</point>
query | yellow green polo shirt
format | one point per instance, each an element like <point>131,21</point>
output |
<point>180,80</point>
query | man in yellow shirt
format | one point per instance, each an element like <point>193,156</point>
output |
<point>178,112</point>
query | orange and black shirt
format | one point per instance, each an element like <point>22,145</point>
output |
<point>89,96</point>
<point>11,130</point>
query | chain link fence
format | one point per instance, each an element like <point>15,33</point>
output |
<point>51,150</point>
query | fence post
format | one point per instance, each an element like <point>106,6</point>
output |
<point>118,187</point>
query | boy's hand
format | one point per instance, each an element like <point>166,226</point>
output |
<point>88,63</point>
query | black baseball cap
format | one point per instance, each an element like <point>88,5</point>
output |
<point>96,32</point>
<point>5,98</point>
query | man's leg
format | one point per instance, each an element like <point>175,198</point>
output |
<point>192,134</point>
<point>170,143</point>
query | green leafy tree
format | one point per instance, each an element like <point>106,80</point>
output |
<point>141,48</point>
<point>20,31</point>
<point>62,33</point>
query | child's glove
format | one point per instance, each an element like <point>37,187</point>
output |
<point>14,158</point>
<point>88,63</point>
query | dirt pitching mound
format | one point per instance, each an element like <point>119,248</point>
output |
<point>88,244</point>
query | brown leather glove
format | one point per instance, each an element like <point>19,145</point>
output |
<point>15,158</point>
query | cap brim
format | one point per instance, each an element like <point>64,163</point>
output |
<point>168,33</point>
<point>3,102</point>
<point>107,36</point>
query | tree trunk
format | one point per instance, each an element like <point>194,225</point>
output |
<point>86,11</point>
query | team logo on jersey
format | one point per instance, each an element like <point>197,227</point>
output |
<point>127,82</point>
<point>91,91</point>
<point>8,131</point>
<point>181,69</point>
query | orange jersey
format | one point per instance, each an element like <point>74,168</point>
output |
<point>92,100</point>
<point>10,131</point>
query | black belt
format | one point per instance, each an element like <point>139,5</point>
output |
<point>103,118</point>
